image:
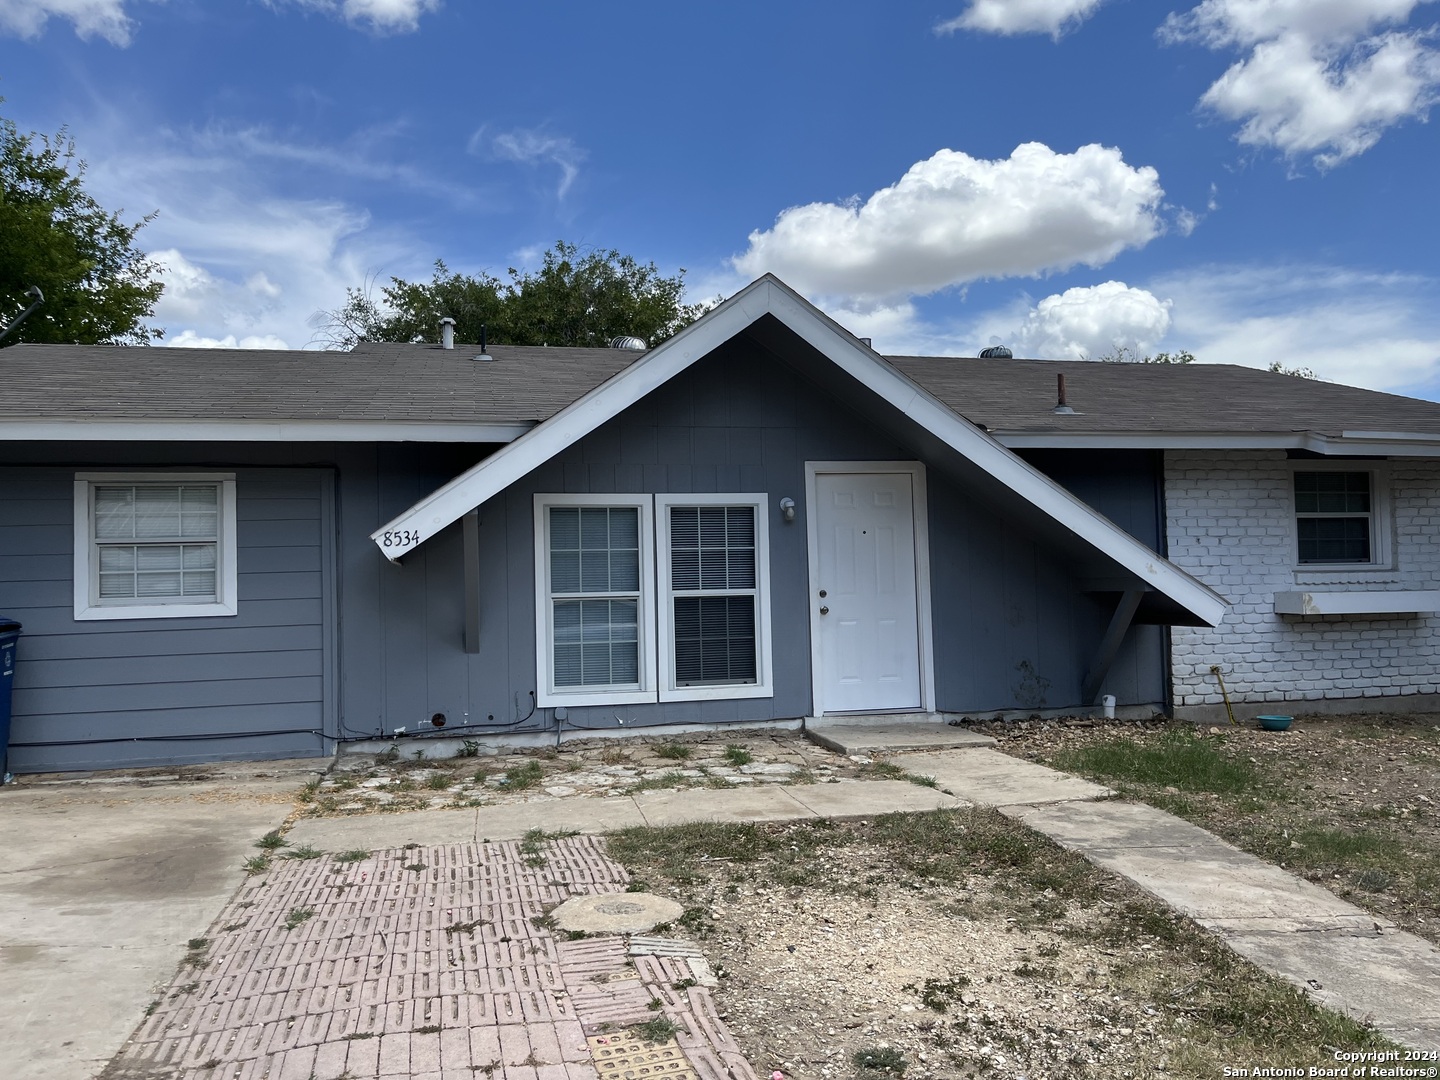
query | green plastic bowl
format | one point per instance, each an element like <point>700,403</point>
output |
<point>1275,723</point>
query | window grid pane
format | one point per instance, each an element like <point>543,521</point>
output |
<point>158,572</point>
<point>714,640</point>
<point>712,552</point>
<point>595,639</point>
<point>1333,523</point>
<point>157,512</point>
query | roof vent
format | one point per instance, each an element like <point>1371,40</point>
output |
<point>447,333</point>
<point>1062,406</point>
<point>484,355</point>
<point>629,341</point>
<point>995,352</point>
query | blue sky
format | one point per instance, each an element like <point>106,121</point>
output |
<point>1252,180</point>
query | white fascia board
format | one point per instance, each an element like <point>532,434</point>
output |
<point>1350,444</point>
<point>770,296</point>
<point>256,431</point>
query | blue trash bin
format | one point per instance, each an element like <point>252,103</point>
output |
<point>9,635</point>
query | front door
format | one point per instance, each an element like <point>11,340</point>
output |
<point>863,588</point>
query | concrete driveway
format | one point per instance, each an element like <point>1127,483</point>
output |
<point>101,885</point>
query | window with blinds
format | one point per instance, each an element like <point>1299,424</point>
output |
<point>714,594</point>
<point>595,595</point>
<point>157,543</point>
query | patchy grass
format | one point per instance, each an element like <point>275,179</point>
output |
<point>439,781</point>
<point>297,916</point>
<point>673,751</point>
<point>1351,803</point>
<point>271,841</point>
<point>1161,973</point>
<point>531,851</point>
<point>657,1029</point>
<point>663,782</point>
<point>303,852</point>
<point>737,755</point>
<point>352,856</point>
<point>1180,758</point>
<point>521,777</point>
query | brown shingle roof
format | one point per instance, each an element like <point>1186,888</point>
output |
<point>523,384</point>
<point>374,382</point>
<point>1017,396</point>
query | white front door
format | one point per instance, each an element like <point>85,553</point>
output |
<point>863,589</point>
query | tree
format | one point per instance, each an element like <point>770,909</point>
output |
<point>1298,372</point>
<point>54,236</point>
<point>572,299</point>
<point>1124,354</point>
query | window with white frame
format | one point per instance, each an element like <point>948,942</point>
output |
<point>154,545</point>
<point>1339,517</point>
<point>651,598</point>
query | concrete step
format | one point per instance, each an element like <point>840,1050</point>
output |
<point>888,732</point>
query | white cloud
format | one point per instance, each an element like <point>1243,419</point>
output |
<point>1379,331</point>
<point>380,16</point>
<point>1317,80</point>
<point>534,148</point>
<point>953,218</point>
<point>91,18</point>
<point>188,339</point>
<point>1053,17</point>
<point>1092,321</point>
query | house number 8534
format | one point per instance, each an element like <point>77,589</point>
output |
<point>402,538</point>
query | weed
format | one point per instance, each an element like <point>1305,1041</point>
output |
<point>390,755</point>
<point>150,1009</point>
<point>885,770</point>
<point>720,783</point>
<point>683,984</point>
<point>418,753</point>
<point>531,853</point>
<point>256,864</point>
<point>303,852</point>
<point>229,927</point>
<point>439,782</point>
<point>464,927</point>
<point>428,1029</point>
<point>198,943</point>
<point>358,1035</point>
<point>414,867</point>
<point>307,793</point>
<point>662,782</point>
<point>937,994</point>
<point>1374,880</point>
<point>655,1004</point>
<point>272,840</point>
<point>673,751</point>
<point>1179,758</point>
<point>469,748</point>
<point>354,855</point>
<point>657,1029</point>
<point>520,777</point>
<point>543,922</point>
<point>481,775</point>
<point>297,916</point>
<point>879,1059</point>
<point>613,755</point>
<point>737,756</point>
<point>213,1063</point>
<point>404,783</point>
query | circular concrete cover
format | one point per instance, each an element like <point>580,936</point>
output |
<point>616,913</point>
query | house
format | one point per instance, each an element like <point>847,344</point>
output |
<point>249,554</point>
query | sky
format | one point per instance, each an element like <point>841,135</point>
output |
<point>1249,180</point>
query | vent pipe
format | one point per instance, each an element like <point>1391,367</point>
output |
<point>484,355</point>
<point>1062,406</point>
<point>447,333</point>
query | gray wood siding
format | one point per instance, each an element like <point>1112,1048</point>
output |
<point>1011,628</point>
<point>189,689</point>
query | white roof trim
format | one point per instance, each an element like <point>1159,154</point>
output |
<point>257,431</point>
<point>1351,442</point>
<point>770,296</point>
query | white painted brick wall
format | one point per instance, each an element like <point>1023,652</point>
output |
<point>1230,524</point>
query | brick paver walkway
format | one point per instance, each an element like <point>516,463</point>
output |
<point>432,963</point>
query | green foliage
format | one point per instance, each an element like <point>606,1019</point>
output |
<point>1179,758</point>
<point>55,236</point>
<point>1124,354</point>
<point>737,755</point>
<point>574,299</point>
<point>1298,372</point>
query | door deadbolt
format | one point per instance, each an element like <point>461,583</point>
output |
<point>824,610</point>
<point>822,594</point>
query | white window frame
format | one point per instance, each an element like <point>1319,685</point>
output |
<point>1381,552</point>
<point>763,686</point>
<point>89,606</point>
<point>548,695</point>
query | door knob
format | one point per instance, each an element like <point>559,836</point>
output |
<point>822,594</point>
<point>824,610</point>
